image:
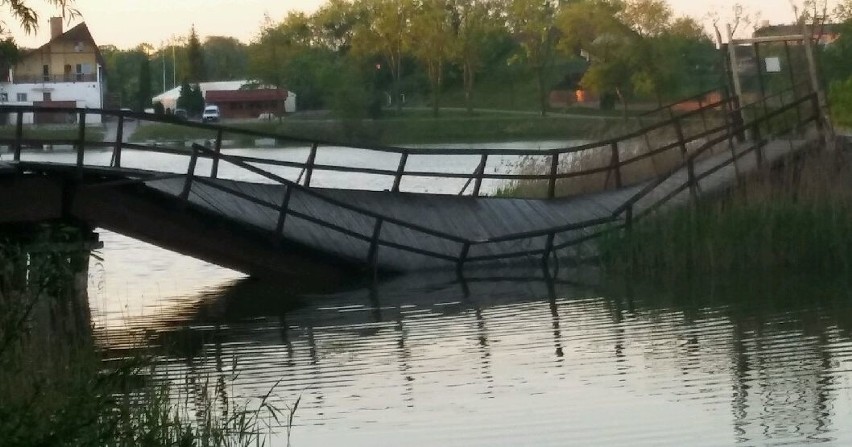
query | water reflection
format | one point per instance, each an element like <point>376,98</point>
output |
<point>526,359</point>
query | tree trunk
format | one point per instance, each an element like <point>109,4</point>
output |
<point>541,96</point>
<point>468,87</point>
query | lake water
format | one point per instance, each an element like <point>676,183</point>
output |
<point>502,358</point>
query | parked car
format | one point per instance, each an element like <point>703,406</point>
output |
<point>211,114</point>
<point>181,114</point>
<point>266,116</point>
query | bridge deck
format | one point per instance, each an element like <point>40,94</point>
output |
<point>468,218</point>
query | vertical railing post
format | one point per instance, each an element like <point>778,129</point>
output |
<point>615,164</point>
<point>373,254</point>
<point>309,165</point>
<point>628,218</point>
<point>190,173</point>
<point>400,170</point>
<point>548,247</point>
<point>703,115</point>
<point>761,82</point>
<point>217,149</point>
<point>19,134</point>
<point>818,117</point>
<point>480,170</point>
<point>790,71</point>
<point>757,139</point>
<point>285,207</point>
<point>119,136</point>
<point>554,171</point>
<point>693,181</point>
<point>681,139</point>
<point>462,258</point>
<point>81,143</point>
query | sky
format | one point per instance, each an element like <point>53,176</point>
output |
<point>127,23</point>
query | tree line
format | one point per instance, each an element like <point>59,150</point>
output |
<point>357,56</point>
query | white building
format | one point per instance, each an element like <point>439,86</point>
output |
<point>169,98</point>
<point>66,72</point>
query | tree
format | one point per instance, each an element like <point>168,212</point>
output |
<point>191,98</point>
<point>225,58</point>
<point>432,25</point>
<point>532,23</point>
<point>334,24</point>
<point>143,95</point>
<point>195,58</point>
<point>28,18</point>
<point>386,32</point>
<point>476,25</point>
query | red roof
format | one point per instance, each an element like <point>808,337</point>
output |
<point>261,94</point>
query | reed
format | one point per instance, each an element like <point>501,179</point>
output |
<point>57,389</point>
<point>796,218</point>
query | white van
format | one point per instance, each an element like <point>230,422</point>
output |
<point>211,114</point>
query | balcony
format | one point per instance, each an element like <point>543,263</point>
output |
<point>53,79</point>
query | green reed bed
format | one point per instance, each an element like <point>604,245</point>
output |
<point>57,389</point>
<point>796,219</point>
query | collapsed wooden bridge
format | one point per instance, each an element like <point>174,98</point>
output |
<point>342,215</point>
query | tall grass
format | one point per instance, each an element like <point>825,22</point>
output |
<point>589,170</point>
<point>57,390</point>
<point>795,218</point>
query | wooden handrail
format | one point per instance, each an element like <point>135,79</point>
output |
<point>621,216</point>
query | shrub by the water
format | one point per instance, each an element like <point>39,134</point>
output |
<point>56,389</point>
<point>797,218</point>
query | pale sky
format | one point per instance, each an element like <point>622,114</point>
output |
<point>126,23</point>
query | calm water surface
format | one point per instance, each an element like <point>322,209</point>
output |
<point>503,358</point>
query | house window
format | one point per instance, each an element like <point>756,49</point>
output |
<point>78,47</point>
<point>4,97</point>
<point>22,97</point>
<point>45,73</point>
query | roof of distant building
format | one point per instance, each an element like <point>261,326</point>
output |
<point>260,94</point>
<point>78,33</point>
<point>795,29</point>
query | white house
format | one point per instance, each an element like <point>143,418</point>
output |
<point>66,72</point>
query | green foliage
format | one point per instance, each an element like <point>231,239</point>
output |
<point>225,59</point>
<point>191,98</point>
<point>797,220</point>
<point>144,95</point>
<point>57,390</point>
<point>195,59</point>
<point>840,98</point>
<point>27,16</point>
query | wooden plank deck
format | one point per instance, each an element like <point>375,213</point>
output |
<point>465,218</point>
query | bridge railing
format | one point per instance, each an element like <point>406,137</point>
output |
<point>546,173</point>
<point>736,124</point>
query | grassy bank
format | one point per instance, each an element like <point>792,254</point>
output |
<point>410,126</point>
<point>53,133</point>
<point>796,219</point>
